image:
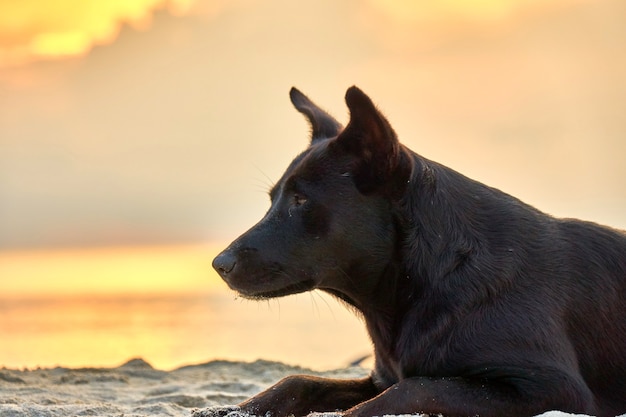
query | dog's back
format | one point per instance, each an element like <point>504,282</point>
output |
<point>562,281</point>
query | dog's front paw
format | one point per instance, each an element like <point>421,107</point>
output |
<point>220,411</point>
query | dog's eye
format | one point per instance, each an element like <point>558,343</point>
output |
<point>299,199</point>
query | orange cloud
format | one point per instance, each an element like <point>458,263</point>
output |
<point>433,12</point>
<point>31,30</point>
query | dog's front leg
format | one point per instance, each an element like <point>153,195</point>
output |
<point>302,394</point>
<point>460,397</point>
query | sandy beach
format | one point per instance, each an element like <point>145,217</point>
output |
<point>136,389</point>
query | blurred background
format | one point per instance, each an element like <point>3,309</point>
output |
<point>139,137</point>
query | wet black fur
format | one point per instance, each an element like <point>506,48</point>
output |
<point>476,303</point>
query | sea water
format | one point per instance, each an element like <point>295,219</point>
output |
<point>167,328</point>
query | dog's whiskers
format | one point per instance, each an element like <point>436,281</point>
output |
<point>268,183</point>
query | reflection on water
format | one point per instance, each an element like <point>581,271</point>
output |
<point>169,331</point>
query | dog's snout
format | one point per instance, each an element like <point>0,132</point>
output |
<point>224,262</point>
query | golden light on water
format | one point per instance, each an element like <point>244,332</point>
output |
<point>80,307</point>
<point>103,306</point>
<point>115,270</point>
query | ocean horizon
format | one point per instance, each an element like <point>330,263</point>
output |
<point>170,324</point>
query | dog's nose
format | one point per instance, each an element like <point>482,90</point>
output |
<point>224,262</point>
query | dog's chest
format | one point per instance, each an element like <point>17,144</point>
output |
<point>412,346</point>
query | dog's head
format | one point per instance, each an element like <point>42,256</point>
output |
<point>330,224</point>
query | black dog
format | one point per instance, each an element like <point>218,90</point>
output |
<point>476,303</point>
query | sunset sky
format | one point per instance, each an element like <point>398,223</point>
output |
<point>126,122</point>
<point>152,122</point>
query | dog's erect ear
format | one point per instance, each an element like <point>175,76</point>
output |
<point>323,125</point>
<point>370,137</point>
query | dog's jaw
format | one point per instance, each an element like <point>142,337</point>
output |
<point>299,287</point>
